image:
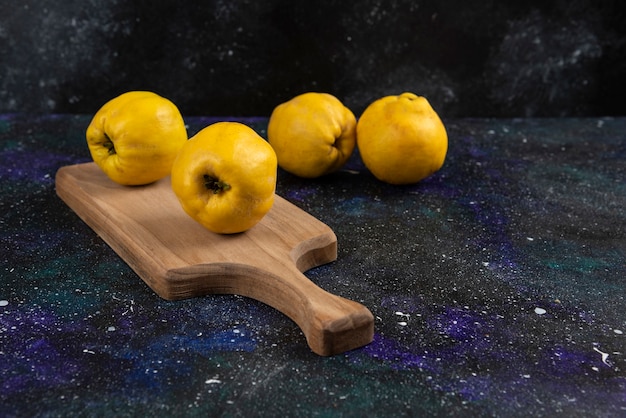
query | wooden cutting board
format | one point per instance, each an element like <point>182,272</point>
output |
<point>178,258</point>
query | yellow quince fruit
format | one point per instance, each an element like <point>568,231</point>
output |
<point>313,134</point>
<point>401,139</point>
<point>135,137</point>
<point>225,177</point>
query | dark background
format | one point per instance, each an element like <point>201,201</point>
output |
<point>243,57</point>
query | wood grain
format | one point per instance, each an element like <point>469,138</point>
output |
<point>178,258</point>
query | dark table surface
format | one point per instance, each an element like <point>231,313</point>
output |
<point>498,288</point>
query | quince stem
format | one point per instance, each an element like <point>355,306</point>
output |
<point>215,185</point>
<point>108,144</point>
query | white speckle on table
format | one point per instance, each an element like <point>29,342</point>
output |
<point>110,329</point>
<point>540,311</point>
<point>4,302</point>
<point>617,331</point>
<point>605,356</point>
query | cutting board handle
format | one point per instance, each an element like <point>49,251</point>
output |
<point>331,324</point>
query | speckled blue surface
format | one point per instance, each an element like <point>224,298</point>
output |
<point>497,285</point>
